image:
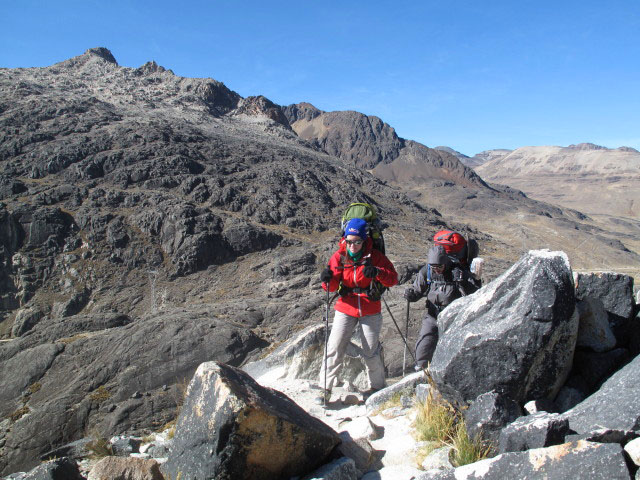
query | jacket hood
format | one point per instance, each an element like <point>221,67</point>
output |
<point>438,255</point>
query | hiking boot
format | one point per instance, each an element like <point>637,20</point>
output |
<point>323,397</point>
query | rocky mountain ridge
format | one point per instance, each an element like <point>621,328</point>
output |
<point>152,222</point>
<point>369,143</point>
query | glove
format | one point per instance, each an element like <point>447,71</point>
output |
<point>457,274</point>
<point>370,271</point>
<point>326,275</point>
<point>411,295</point>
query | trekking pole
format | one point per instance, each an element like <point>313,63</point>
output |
<point>406,335</point>
<point>326,343</point>
<point>399,331</point>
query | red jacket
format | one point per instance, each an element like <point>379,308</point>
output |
<point>350,274</point>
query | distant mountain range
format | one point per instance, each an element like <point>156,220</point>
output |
<point>587,177</point>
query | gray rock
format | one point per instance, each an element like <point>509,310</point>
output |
<point>533,431</point>
<point>594,331</point>
<point>488,414</point>
<point>73,305</point>
<point>74,450</point>
<point>596,367</point>
<point>571,460</point>
<point>392,472</point>
<point>360,451</point>
<point>340,469</point>
<point>123,446</point>
<point>159,451</point>
<point>407,384</point>
<point>605,435</point>
<point>58,469</point>
<point>25,320</point>
<point>232,427</point>
<point>422,392</point>
<point>614,406</point>
<point>615,291</point>
<point>634,336</point>
<point>568,397</point>
<point>633,450</point>
<point>301,357</point>
<point>516,335</point>
<point>363,427</point>
<point>129,468</point>
<point>438,459</point>
<point>540,405</point>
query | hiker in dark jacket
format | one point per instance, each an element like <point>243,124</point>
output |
<point>351,271</point>
<point>442,281</point>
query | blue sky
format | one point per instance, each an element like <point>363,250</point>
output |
<point>472,75</point>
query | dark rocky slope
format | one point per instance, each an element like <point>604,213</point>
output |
<point>150,223</point>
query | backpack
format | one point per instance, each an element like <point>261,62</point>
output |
<point>368,213</point>
<point>458,249</point>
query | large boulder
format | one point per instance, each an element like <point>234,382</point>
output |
<point>516,335</point>
<point>614,406</point>
<point>615,292</point>
<point>570,460</point>
<point>231,427</point>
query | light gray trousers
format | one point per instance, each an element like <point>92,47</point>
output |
<point>341,331</point>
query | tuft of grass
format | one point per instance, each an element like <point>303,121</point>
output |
<point>467,450</point>
<point>435,421</point>
<point>68,340</point>
<point>99,448</point>
<point>438,422</point>
<point>100,394</point>
<point>34,387</point>
<point>19,413</point>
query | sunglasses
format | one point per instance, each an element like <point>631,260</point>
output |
<point>353,242</point>
<point>437,268</point>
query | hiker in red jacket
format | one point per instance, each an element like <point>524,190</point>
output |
<point>353,270</point>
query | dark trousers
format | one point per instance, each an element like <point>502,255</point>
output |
<point>427,340</point>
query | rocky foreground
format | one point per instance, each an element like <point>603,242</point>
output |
<point>524,358</point>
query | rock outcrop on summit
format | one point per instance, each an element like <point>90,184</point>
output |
<point>369,143</point>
